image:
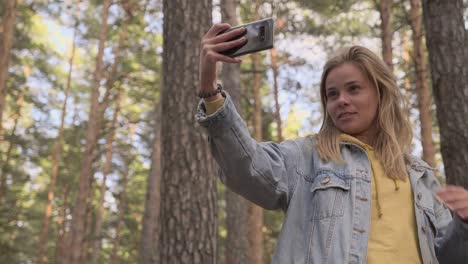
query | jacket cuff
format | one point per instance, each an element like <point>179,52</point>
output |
<point>220,121</point>
<point>212,106</point>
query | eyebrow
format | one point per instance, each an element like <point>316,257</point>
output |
<point>351,82</point>
<point>346,84</point>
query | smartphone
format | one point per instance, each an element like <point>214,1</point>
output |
<point>259,36</point>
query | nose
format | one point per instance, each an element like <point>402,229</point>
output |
<point>343,99</point>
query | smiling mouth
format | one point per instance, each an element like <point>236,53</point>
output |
<point>345,115</point>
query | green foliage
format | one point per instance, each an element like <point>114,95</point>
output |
<point>38,73</point>
<point>329,7</point>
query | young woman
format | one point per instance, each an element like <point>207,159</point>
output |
<point>352,193</point>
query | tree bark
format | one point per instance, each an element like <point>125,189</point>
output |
<point>406,68</point>
<point>149,245</point>
<point>256,212</point>
<point>237,244</point>
<point>188,189</point>
<point>446,39</point>
<point>56,157</point>
<point>422,88</point>
<point>6,42</point>
<point>94,125</point>
<point>385,9</point>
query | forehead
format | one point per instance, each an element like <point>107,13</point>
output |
<point>344,73</point>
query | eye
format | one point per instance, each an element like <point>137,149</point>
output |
<point>354,88</point>
<point>332,94</point>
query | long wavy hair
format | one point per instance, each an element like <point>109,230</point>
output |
<point>394,135</point>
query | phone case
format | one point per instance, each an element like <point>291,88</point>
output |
<point>259,36</point>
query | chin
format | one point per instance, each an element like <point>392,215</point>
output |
<point>349,130</point>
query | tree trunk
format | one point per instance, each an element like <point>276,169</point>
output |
<point>256,212</point>
<point>110,140</point>
<point>237,244</point>
<point>6,42</point>
<point>188,189</point>
<point>422,88</point>
<point>122,203</point>
<point>385,9</point>
<point>94,124</point>
<point>61,248</point>
<point>446,39</point>
<point>107,168</point>
<point>88,223</point>
<point>406,68</point>
<point>274,66</point>
<point>56,157</point>
<point>150,236</point>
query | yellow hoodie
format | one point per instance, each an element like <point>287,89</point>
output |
<point>393,231</point>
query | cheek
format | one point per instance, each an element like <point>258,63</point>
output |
<point>331,109</point>
<point>371,111</point>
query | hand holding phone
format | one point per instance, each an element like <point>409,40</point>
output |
<point>259,36</point>
<point>223,42</point>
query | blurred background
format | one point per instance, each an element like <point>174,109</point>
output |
<point>102,160</point>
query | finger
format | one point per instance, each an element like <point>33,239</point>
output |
<point>446,196</point>
<point>452,188</point>
<point>227,36</point>
<point>229,45</point>
<point>453,194</point>
<point>453,197</point>
<point>463,214</point>
<point>459,204</point>
<point>214,56</point>
<point>216,29</point>
<point>452,191</point>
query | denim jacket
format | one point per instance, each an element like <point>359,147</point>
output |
<point>327,204</point>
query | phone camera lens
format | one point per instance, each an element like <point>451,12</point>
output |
<point>261,34</point>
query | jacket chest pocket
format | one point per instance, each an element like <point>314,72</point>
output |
<point>328,192</point>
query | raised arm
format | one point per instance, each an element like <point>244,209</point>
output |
<point>264,173</point>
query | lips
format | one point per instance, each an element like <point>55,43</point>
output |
<point>346,115</point>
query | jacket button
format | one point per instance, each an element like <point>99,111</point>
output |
<point>419,196</point>
<point>325,180</point>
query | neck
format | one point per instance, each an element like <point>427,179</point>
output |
<point>367,136</point>
<point>366,139</point>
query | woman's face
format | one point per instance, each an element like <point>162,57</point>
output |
<point>352,101</point>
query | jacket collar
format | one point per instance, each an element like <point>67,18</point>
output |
<point>417,167</point>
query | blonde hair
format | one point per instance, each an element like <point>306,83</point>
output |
<point>394,135</point>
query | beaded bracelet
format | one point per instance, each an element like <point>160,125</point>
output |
<point>219,88</point>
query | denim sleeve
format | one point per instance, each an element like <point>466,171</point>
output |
<point>451,242</point>
<point>264,173</point>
